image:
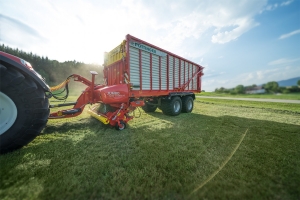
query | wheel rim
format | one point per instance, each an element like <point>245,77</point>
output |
<point>8,113</point>
<point>176,106</point>
<point>122,126</point>
<point>189,104</point>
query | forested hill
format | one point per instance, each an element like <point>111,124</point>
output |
<point>53,71</point>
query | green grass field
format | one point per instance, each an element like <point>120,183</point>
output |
<point>291,96</point>
<point>273,107</point>
<point>222,150</point>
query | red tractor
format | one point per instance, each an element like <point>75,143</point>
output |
<point>136,74</point>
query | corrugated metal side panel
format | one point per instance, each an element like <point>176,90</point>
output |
<point>190,76</point>
<point>178,70</point>
<point>181,72</point>
<point>186,71</point>
<point>195,78</point>
<point>176,73</point>
<point>145,70</point>
<point>171,72</point>
<point>164,77</point>
<point>155,72</point>
<point>193,83</point>
<point>134,67</point>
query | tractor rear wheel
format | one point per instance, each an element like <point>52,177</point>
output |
<point>24,109</point>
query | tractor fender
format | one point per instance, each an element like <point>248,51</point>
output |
<point>23,66</point>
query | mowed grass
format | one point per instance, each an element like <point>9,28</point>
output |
<point>219,151</point>
<point>272,106</point>
<point>291,96</point>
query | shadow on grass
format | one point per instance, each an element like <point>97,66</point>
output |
<point>84,123</point>
<point>93,161</point>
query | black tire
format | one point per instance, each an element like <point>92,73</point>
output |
<point>31,105</point>
<point>122,127</point>
<point>187,104</point>
<point>171,107</point>
<point>149,108</point>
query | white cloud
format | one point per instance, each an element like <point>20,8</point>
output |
<point>286,3</point>
<point>263,76</point>
<point>228,19</point>
<point>283,61</point>
<point>70,29</point>
<point>236,18</point>
<point>243,26</point>
<point>287,35</point>
<point>271,7</point>
<point>14,28</point>
<point>209,75</point>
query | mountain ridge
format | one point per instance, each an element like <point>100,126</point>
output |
<point>288,82</point>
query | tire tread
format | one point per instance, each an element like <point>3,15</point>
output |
<point>23,90</point>
<point>167,106</point>
<point>185,100</point>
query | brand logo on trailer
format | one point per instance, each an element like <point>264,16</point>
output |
<point>114,94</point>
<point>147,48</point>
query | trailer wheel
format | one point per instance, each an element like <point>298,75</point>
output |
<point>122,126</point>
<point>187,104</point>
<point>171,107</point>
<point>149,108</point>
<point>24,109</point>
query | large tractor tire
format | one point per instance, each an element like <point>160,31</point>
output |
<point>171,107</point>
<point>149,108</point>
<point>24,109</point>
<point>187,104</point>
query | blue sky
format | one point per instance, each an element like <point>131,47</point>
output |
<point>237,41</point>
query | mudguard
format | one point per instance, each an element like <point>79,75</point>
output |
<point>25,67</point>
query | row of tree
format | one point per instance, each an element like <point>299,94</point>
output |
<point>239,89</point>
<point>270,87</point>
<point>273,87</point>
<point>53,71</point>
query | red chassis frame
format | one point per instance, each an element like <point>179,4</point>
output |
<point>117,96</point>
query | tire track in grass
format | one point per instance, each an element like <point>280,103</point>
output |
<point>222,166</point>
